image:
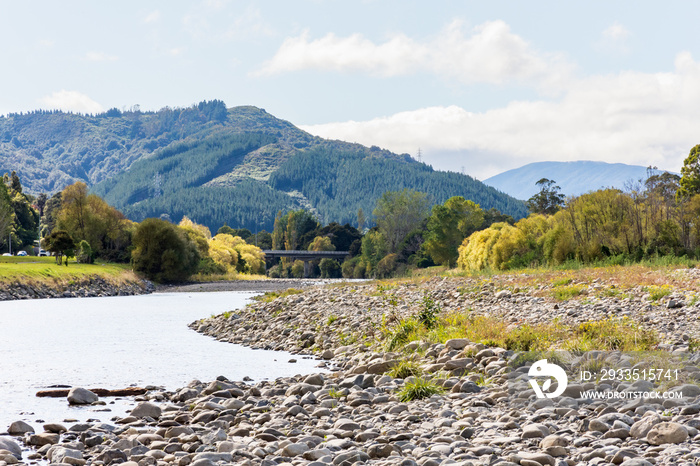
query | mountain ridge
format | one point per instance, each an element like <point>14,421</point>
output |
<point>218,165</point>
<point>573,177</point>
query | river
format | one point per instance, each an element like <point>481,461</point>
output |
<point>114,343</point>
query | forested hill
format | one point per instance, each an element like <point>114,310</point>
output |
<point>216,165</point>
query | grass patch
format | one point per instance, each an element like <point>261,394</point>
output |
<point>272,295</point>
<point>33,269</point>
<point>331,318</point>
<point>657,292</point>
<point>565,293</point>
<point>610,334</point>
<point>562,281</point>
<point>405,369</point>
<point>419,389</point>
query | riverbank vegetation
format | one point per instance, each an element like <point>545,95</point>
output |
<point>653,220</point>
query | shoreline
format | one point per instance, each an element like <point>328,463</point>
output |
<point>487,414</point>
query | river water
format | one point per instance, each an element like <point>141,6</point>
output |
<point>114,343</point>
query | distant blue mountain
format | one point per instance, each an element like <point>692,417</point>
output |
<point>574,178</point>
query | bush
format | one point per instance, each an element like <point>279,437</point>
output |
<point>162,252</point>
<point>329,268</point>
<point>360,269</point>
<point>209,266</point>
<point>386,266</point>
<point>85,254</point>
<point>298,269</point>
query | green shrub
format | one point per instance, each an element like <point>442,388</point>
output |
<point>162,252</point>
<point>85,254</point>
<point>418,389</point>
<point>298,269</point>
<point>208,266</point>
<point>429,312</point>
<point>400,334</point>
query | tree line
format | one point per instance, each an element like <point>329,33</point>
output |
<point>653,217</point>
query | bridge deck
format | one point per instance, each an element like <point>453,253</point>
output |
<point>305,255</point>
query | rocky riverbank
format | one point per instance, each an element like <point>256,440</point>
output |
<point>485,411</point>
<point>86,287</point>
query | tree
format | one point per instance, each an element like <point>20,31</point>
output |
<point>448,225</point>
<point>398,213</point>
<point>87,217</point>
<point>549,200</point>
<point>26,218</point>
<point>6,213</point>
<point>60,243</point>
<point>41,202</point>
<point>162,251</point>
<point>342,236</point>
<point>690,174</point>
<point>321,243</point>
<point>361,219</point>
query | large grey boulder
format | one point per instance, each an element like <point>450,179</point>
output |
<point>667,432</point>
<point>146,409</point>
<point>11,446</point>
<point>20,428</point>
<point>81,396</point>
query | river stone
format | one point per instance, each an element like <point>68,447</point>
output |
<point>81,396</point>
<point>58,454</point>
<point>636,462</point>
<point>553,440</point>
<point>641,428</point>
<point>45,438</point>
<point>688,390</point>
<point>350,457</point>
<point>146,409</point>
<point>535,431</point>
<point>295,449</point>
<point>314,379</point>
<point>7,458</point>
<point>20,428</point>
<point>380,450</point>
<point>667,432</point>
<point>541,458</point>
<point>317,454</point>
<point>456,343</point>
<point>55,428</point>
<point>346,424</point>
<point>11,446</point>
<point>623,455</point>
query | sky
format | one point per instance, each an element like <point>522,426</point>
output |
<point>470,86</point>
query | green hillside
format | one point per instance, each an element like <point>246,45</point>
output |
<point>237,166</point>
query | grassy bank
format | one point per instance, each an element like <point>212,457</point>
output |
<point>32,269</point>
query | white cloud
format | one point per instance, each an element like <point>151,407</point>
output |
<point>488,53</point>
<point>70,101</point>
<point>99,56</point>
<point>632,117</point>
<point>616,31</point>
<point>614,39</point>
<point>152,17</point>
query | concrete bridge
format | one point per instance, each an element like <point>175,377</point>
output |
<point>305,256</point>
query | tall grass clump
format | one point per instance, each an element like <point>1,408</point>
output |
<point>405,369</point>
<point>419,389</point>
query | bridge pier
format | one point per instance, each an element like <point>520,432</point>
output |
<point>305,256</point>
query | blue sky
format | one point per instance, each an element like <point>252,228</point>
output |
<point>477,86</point>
